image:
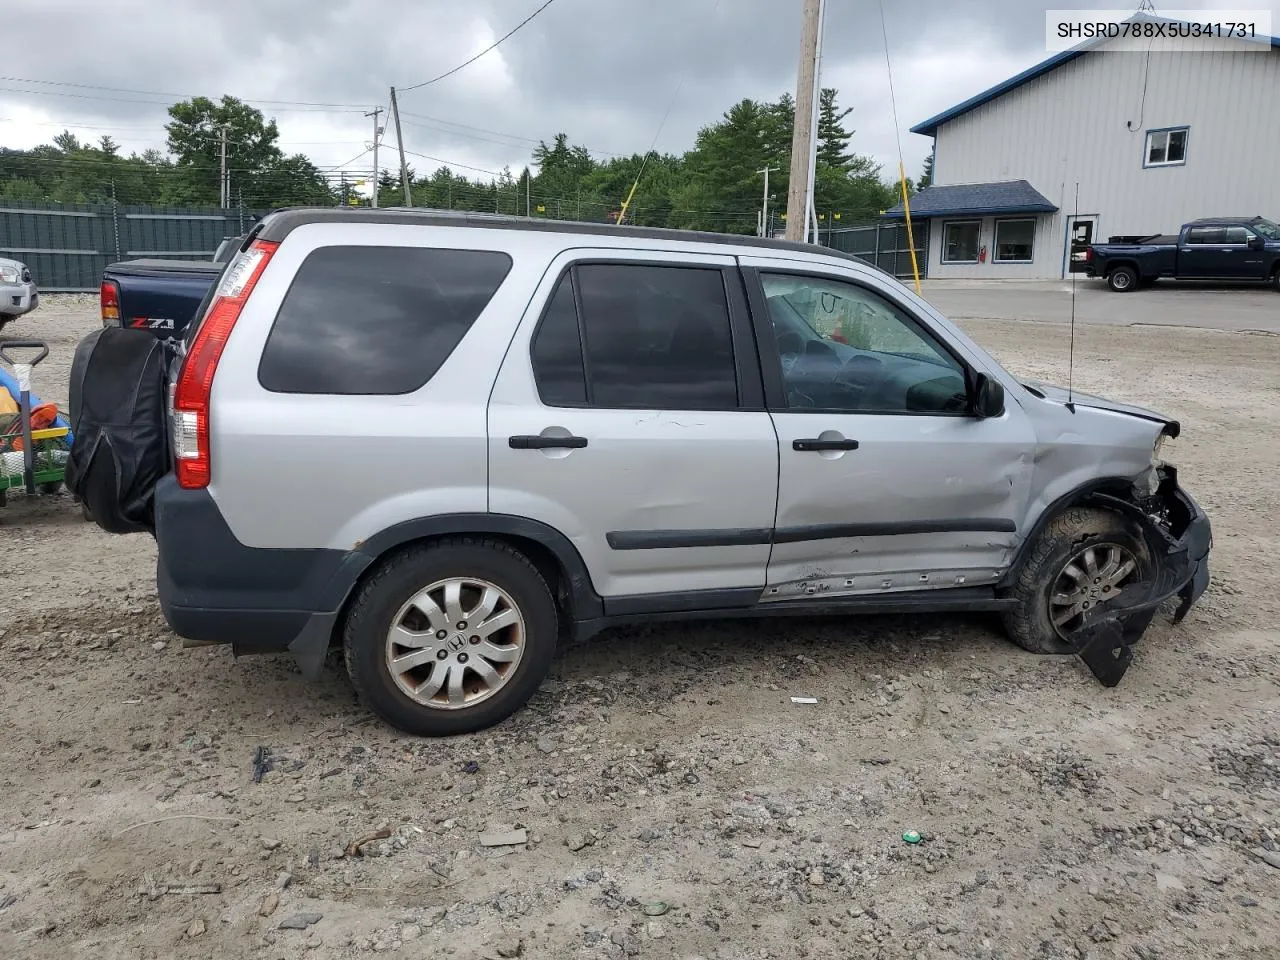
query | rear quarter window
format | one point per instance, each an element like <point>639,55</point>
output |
<point>376,320</point>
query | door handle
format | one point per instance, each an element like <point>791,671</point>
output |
<point>536,442</point>
<point>814,444</point>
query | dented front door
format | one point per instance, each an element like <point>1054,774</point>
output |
<point>886,483</point>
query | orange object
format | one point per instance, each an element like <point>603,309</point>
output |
<point>42,418</point>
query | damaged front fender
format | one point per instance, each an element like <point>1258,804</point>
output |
<point>1178,538</point>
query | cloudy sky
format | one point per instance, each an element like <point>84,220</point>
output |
<point>603,71</point>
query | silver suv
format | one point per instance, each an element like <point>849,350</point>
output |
<point>448,441</point>
<point>18,294</point>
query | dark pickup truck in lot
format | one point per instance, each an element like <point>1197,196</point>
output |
<point>159,295</point>
<point>1221,248</point>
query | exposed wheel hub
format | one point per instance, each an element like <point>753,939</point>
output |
<point>1092,577</point>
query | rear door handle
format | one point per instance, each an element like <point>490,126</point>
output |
<point>536,442</point>
<point>813,444</point>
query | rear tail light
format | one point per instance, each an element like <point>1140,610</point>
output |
<point>109,301</point>
<point>195,379</point>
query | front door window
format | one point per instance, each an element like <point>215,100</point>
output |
<point>844,348</point>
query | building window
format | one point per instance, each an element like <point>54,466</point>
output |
<point>1166,148</point>
<point>960,241</point>
<point>1015,240</point>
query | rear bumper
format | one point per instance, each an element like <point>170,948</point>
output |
<point>215,589</point>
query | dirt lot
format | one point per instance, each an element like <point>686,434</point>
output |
<point>676,803</point>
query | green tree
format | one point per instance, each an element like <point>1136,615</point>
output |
<point>723,179</point>
<point>833,138</point>
<point>926,176</point>
<point>259,171</point>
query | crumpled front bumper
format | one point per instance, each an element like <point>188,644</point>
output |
<point>1180,555</point>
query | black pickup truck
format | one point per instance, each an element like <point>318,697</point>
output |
<point>159,295</point>
<point>1220,248</point>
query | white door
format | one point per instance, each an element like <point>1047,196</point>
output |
<point>887,481</point>
<point>628,415</point>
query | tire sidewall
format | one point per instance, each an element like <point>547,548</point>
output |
<point>370,619</point>
<point>1129,272</point>
<point>1057,559</point>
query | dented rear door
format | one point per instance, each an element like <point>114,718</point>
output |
<point>886,483</point>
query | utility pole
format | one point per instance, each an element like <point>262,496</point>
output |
<point>404,167</point>
<point>810,204</point>
<point>764,206</point>
<point>802,129</point>
<point>223,190</point>
<point>377,132</point>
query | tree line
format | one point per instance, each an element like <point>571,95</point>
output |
<point>716,185</point>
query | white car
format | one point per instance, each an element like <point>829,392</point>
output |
<point>18,294</point>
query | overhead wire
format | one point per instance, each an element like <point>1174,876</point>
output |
<point>492,46</point>
<point>176,96</point>
<point>622,212</point>
<point>902,168</point>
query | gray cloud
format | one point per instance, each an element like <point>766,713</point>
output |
<point>602,71</point>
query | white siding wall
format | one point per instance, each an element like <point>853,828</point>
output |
<point>1046,254</point>
<point>1070,124</point>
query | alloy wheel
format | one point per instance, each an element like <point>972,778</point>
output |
<point>1092,577</point>
<point>455,643</point>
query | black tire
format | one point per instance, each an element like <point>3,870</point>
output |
<point>1028,624</point>
<point>1275,278</point>
<point>1123,279</point>
<point>390,587</point>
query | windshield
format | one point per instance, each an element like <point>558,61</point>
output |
<point>1268,229</point>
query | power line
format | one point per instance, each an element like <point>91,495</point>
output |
<point>447,125</point>
<point>449,73</point>
<point>162,103</point>
<point>448,163</point>
<point>178,96</point>
<point>622,212</point>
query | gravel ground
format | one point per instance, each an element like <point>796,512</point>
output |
<point>662,796</point>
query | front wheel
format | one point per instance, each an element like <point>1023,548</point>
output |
<point>451,637</point>
<point>1082,561</point>
<point>1123,279</point>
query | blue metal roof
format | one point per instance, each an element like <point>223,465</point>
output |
<point>930,127</point>
<point>976,199</point>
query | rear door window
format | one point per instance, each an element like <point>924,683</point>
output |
<point>1206,236</point>
<point>361,320</point>
<point>658,337</point>
<point>557,351</point>
<point>646,336</point>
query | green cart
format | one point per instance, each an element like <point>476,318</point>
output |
<point>33,453</point>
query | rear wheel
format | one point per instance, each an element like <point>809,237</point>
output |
<point>1275,278</point>
<point>1123,279</point>
<point>1083,560</point>
<point>451,637</point>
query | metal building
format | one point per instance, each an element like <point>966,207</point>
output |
<point>1153,139</point>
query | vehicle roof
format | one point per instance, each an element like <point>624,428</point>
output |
<point>1241,221</point>
<point>278,224</point>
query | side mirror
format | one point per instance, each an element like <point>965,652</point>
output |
<point>1257,243</point>
<point>988,397</point>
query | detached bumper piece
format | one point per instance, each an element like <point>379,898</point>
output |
<point>1180,555</point>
